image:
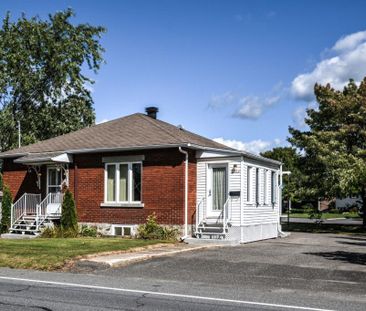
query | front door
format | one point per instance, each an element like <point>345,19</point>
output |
<point>54,180</point>
<point>217,188</point>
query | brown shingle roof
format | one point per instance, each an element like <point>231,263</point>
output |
<point>133,131</point>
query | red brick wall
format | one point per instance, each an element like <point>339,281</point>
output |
<point>19,179</point>
<point>162,187</point>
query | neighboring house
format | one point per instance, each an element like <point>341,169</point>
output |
<point>123,170</point>
<point>347,203</point>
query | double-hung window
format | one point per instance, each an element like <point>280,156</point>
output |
<point>123,182</point>
<point>273,187</point>
<point>257,187</point>
<point>265,187</point>
<point>249,184</point>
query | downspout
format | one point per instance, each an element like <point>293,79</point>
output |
<point>185,194</point>
<point>279,229</point>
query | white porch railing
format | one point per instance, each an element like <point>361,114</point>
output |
<point>30,204</point>
<point>224,217</point>
<point>50,206</point>
<point>25,205</point>
<point>226,213</point>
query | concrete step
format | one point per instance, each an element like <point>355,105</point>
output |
<point>16,236</point>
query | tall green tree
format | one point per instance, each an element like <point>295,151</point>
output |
<point>43,82</point>
<point>335,143</point>
<point>69,220</point>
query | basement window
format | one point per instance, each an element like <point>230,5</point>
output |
<point>122,230</point>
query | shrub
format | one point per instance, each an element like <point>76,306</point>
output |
<point>58,232</point>
<point>88,231</point>
<point>69,216</point>
<point>6,210</point>
<point>151,230</point>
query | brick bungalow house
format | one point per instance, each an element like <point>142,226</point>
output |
<point>123,170</point>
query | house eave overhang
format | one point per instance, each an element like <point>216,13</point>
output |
<point>44,158</point>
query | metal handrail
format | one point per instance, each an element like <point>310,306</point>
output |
<point>42,207</point>
<point>226,213</point>
<point>25,205</point>
<point>198,212</point>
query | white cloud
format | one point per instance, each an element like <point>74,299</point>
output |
<point>217,101</point>
<point>350,42</point>
<point>252,107</point>
<point>348,62</point>
<point>254,146</point>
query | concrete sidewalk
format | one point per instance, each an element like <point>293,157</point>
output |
<point>139,254</point>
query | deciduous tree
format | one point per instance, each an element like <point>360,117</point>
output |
<point>43,82</point>
<point>335,143</point>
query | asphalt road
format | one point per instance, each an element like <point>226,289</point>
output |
<point>302,272</point>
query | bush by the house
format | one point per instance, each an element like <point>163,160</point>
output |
<point>88,231</point>
<point>58,232</point>
<point>6,210</point>
<point>69,217</point>
<point>151,230</point>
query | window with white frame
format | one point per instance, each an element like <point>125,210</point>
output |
<point>257,186</point>
<point>273,187</point>
<point>265,187</point>
<point>249,184</point>
<point>123,182</point>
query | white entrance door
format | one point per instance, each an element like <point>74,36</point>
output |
<point>217,187</point>
<point>54,180</point>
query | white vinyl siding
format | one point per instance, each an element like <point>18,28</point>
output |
<point>256,221</point>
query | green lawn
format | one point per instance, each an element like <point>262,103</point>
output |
<point>325,215</point>
<point>51,254</point>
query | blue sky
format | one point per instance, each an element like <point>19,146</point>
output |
<point>240,71</point>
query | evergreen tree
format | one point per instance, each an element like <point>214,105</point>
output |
<point>43,82</point>
<point>335,144</point>
<point>6,210</point>
<point>69,216</point>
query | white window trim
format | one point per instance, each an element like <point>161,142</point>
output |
<point>265,187</point>
<point>117,183</point>
<point>249,194</point>
<point>274,187</point>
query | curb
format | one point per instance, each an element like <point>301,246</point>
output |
<point>117,262</point>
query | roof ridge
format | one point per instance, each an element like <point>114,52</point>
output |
<point>155,122</point>
<point>184,131</point>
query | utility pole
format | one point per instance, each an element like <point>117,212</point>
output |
<point>19,135</point>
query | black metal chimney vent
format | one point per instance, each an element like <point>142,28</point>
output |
<point>152,111</point>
